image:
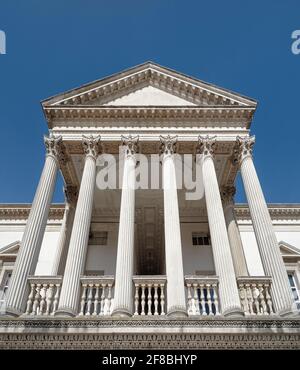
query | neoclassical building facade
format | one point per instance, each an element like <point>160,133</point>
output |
<point>136,265</point>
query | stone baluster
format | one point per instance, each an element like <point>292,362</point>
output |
<point>198,302</point>
<point>49,299</point>
<point>68,303</point>
<point>263,228</point>
<point>216,298</point>
<point>96,300</point>
<point>83,300</point>
<point>102,299</point>
<point>209,302</point>
<point>162,299</point>
<point>30,299</point>
<point>89,300</point>
<point>173,250</point>
<point>36,303</point>
<point>43,298</point>
<point>125,250</point>
<point>155,299</point>
<point>149,299</point>
<point>228,290</point>
<point>136,300</point>
<point>35,227</point>
<point>143,300</point>
<point>109,299</point>
<point>189,298</point>
<point>56,299</point>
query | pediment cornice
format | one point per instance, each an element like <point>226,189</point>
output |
<point>151,74</point>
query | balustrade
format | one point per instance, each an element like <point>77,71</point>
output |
<point>43,296</point>
<point>255,295</point>
<point>96,296</point>
<point>202,295</point>
<point>149,299</point>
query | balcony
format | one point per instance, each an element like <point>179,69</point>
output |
<point>149,297</point>
<point>202,296</point>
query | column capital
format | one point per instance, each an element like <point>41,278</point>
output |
<point>206,145</point>
<point>227,195</point>
<point>71,195</point>
<point>243,148</point>
<point>131,143</point>
<point>168,144</point>
<point>91,145</point>
<point>54,147</point>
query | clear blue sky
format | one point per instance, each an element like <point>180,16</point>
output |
<point>57,45</point>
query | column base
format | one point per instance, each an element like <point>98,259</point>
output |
<point>233,312</point>
<point>287,312</point>
<point>13,312</point>
<point>177,311</point>
<point>121,312</point>
<point>65,312</point>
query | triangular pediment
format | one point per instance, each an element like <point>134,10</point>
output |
<point>288,249</point>
<point>149,85</point>
<point>10,249</point>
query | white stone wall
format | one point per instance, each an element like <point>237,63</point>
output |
<point>195,258</point>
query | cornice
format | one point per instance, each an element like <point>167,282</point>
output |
<point>277,211</point>
<point>21,211</point>
<point>117,113</point>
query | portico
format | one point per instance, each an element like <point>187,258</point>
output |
<point>150,269</point>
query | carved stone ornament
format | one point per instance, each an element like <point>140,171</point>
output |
<point>227,194</point>
<point>243,148</point>
<point>54,146</point>
<point>91,145</point>
<point>131,143</point>
<point>71,194</point>
<point>168,144</point>
<point>206,145</point>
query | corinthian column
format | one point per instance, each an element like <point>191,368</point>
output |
<point>69,297</point>
<point>71,194</point>
<point>33,235</point>
<point>228,291</point>
<point>123,299</point>
<point>263,228</point>
<point>176,303</point>
<point>237,252</point>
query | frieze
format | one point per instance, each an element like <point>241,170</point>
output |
<point>275,335</point>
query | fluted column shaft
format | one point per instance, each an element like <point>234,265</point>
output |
<point>33,235</point>
<point>264,231</point>
<point>123,298</point>
<point>63,239</point>
<point>176,302</point>
<point>234,236</point>
<point>228,290</point>
<point>69,297</point>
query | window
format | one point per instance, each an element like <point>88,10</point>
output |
<point>98,238</point>
<point>200,239</point>
<point>4,287</point>
<point>294,289</point>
